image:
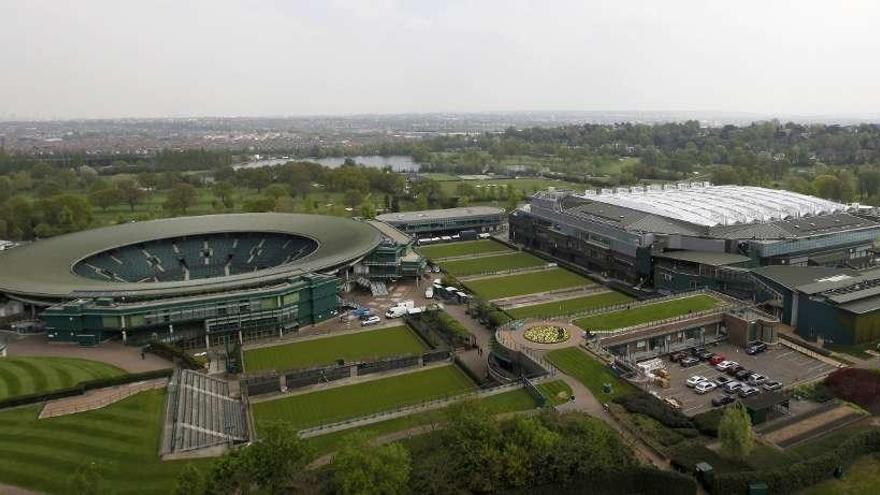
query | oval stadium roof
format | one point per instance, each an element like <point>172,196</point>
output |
<point>44,269</point>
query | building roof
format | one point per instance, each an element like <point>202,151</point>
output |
<point>704,257</point>
<point>442,214</point>
<point>707,205</point>
<point>43,270</point>
<point>794,277</point>
<point>390,232</point>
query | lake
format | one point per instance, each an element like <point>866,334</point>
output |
<point>398,163</point>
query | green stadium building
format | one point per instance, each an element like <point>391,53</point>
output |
<point>196,281</point>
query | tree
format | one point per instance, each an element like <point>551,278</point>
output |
<point>105,198</point>
<point>190,481</point>
<point>181,197</point>
<point>276,191</point>
<point>131,193</point>
<point>363,469</point>
<point>828,187</point>
<point>368,209</point>
<point>735,432</point>
<point>224,192</point>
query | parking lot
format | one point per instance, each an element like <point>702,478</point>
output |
<point>777,363</point>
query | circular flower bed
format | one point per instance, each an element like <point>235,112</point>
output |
<point>547,334</point>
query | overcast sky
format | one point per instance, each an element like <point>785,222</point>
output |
<point>121,58</point>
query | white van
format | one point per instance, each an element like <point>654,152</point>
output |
<point>429,293</point>
<point>396,312</point>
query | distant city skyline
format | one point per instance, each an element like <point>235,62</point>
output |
<point>101,59</point>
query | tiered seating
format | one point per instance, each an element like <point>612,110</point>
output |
<point>204,414</point>
<point>195,257</point>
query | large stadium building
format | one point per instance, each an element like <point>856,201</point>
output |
<point>197,281</point>
<point>623,233</point>
<point>682,237</point>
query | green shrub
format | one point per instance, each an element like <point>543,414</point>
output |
<point>795,477</point>
<point>174,354</point>
<point>641,480</point>
<point>645,403</point>
<point>707,422</point>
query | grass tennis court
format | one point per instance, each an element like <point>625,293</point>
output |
<point>491,264</point>
<point>525,283</point>
<point>514,400</point>
<point>587,370</point>
<point>361,399</point>
<point>28,375</point>
<point>122,440</point>
<point>358,346</point>
<point>650,312</point>
<point>568,306</point>
<point>463,248</point>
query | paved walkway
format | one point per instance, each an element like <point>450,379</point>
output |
<point>476,361</point>
<point>115,353</point>
<point>96,399</point>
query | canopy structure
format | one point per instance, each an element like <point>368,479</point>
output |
<point>710,206</point>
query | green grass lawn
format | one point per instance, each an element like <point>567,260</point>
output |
<point>526,283</point>
<point>463,248</point>
<point>857,350</point>
<point>514,400</point>
<point>491,264</point>
<point>360,346</point>
<point>28,375</point>
<point>569,306</point>
<point>122,440</point>
<point>587,370</point>
<point>557,391</point>
<point>651,312</point>
<point>361,399</point>
<point>861,478</point>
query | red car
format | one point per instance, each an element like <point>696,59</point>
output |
<point>716,358</point>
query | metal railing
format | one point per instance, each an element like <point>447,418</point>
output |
<point>406,410</point>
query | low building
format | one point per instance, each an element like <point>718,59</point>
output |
<point>446,221</point>
<point>832,305</point>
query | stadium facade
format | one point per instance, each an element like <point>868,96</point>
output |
<point>682,237</point>
<point>197,281</point>
<point>446,221</point>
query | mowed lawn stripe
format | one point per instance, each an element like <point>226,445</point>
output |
<point>358,346</point>
<point>525,283</point>
<point>650,312</point>
<point>589,371</point>
<point>491,264</point>
<point>568,306</point>
<point>462,248</point>
<point>28,375</point>
<point>122,440</point>
<point>361,399</point>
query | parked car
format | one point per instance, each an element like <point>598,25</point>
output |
<point>756,348</point>
<point>722,380</point>
<point>743,374</point>
<point>725,365</point>
<point>772,385</point>
<point>722,400</point>
<point>757,379</point>
<point>747,391</point>
<point>371,321</point>
<point>733,370</point>
<point>672,402</point>
<point>697,350</point>
<point>716,358</point>
<point>704,355</point>
<point>676,357</point>
<point>689,361</point>
<point>732,387</point>
<point>704,387</point>
<point>694,380</point>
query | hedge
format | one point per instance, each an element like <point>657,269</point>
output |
<point>707,422</point>
<point>856,385</point>
<point>173,354</point>
<point>637,479</point>
<point>645,403</point>
<point>83,387</point>
<point>795,477</point>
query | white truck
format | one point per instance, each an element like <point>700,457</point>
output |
<point>396,312</point>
